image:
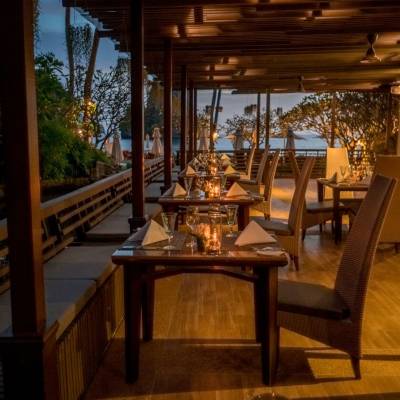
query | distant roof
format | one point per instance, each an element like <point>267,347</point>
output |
<point>284,45</point>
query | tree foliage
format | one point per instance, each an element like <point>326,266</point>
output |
<point>361,118</point>
<point>62,152</point>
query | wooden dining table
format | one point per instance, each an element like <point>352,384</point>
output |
<point>140,271</point>
<point>337,189</point>
<point>170,203</point>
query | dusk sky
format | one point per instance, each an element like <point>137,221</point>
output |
<point>52,39</point>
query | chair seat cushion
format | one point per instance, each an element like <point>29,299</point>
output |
<point>116,227</point>
<point>311,299</point>
<point>278,227</point>
<point>322,206</point>
<point>81,262</point>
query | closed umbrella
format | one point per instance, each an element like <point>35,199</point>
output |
<point>116,152</point>
<point>238,140</point>
<point>204,140</point>
<point>290,143</point>
<point>157,147</point>
<point>108,147</point>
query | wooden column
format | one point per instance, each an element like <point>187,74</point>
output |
<point>214,98</point>
<point>267,117</point>
<point>184,89</point>
<point>28,355</point>
<point>137,112</point>
<point>195,120</point>
<point>167,114</point>
<point>217,107</point>
<point>389,119</point>
<point>258,120</point>
<point>333,121</point>
<point>191,121</point>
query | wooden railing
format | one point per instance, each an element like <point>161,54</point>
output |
<point>66,218</point>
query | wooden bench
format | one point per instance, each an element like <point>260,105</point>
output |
<point>84,295</point>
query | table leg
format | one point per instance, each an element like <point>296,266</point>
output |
<point>243,217</point>
<point>337,216</point>
<point>320,191</point>
<point>148,307</point>
<point>133,275</point>
<point>267,298</point>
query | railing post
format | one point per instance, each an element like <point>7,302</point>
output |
<point>167,114</point>
<point>182,161</point>
<point>29,354</point>
<point>137,112</point>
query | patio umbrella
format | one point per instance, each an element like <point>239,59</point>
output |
<point>116,152</point>
<point>157,148</point>
<point>290,143</point>
<point>238,140</point>
<point>108,147</point>
<point>204,140</point>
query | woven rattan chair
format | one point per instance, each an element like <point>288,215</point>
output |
<point>249,164</point>
<point>266,187</point>
<point>315,212</point>
<point>254,184</point>
<point>289,233</point>
<point>334,316</point>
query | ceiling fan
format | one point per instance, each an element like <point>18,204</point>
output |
<point>370,56</point>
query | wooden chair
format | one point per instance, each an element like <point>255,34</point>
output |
<point>316,212</point>
<point>334,316</point>
<point>288,234</point>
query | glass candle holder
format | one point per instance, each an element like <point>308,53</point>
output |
<point>215,187</point>
<point>215,234</point>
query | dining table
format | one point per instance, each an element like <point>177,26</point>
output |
<point>337,189</point>
<point>142,265</point>
<point>244,203</point>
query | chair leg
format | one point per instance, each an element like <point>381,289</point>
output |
<point>320,228</point>
<point>397,247</point>
<point>303,234</point>
<point>355,363</point>
<point>296,262</point>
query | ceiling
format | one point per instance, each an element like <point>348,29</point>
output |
<point>281,45</point>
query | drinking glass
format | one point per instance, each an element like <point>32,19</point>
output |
<point>192,219</point>
<point>231,216</point>
<point>169,220</point>
<point>188,181</point>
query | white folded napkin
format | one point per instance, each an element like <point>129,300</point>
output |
<point>230,170</point>
<point>175,190</point>
<point>236,190</point>
<point>254,234</point>
<point>150,233</point>
<point>190,171</point>
<point>225,157</point>
<point>271,252</point>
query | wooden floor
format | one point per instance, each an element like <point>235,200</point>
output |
<point>204,344</point>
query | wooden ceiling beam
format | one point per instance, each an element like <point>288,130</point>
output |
<point>259,4</point>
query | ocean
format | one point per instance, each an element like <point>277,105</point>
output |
<point>308,141</point>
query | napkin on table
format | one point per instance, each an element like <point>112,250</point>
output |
<point>236,190</point>
<point>150,233</point>
<point>190,171</point>
<point>230,170</point>
<point>225,157</point>
<point>254,234</point>
<point>175,190</point>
